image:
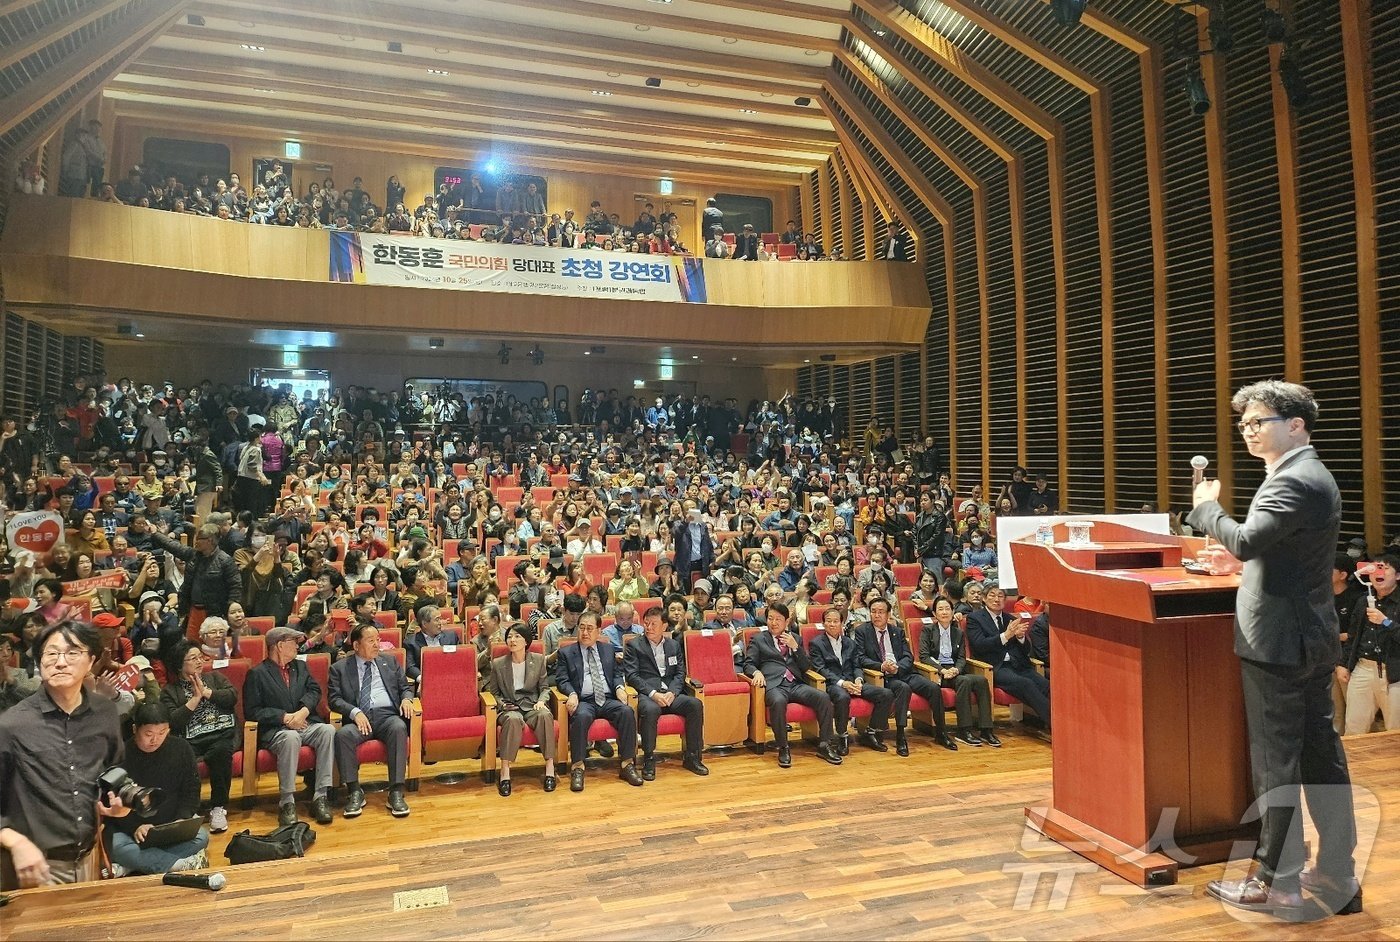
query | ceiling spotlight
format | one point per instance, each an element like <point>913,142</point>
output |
<point>614,74</point>
<point>817,52</point>
<point>733,359</point>
<point>435,343</point>
<point>695,356</point>
<point>503,354</point>
<point>802,101</point>
<point>1290,76</point>
<point>266,91</point>
<point>729,40</point>
<point>641,27</point>
<point>747,111</point>
<point>602,94</point>
<point>1274,25</point>
<point>194,19</point>
<point>881,32</point>
<point>588,353</point>
<point>1222,38</point>
<point>1068,12</point>
<point>1196,89</point>
<point>441,50</point>
<point>251,48</point>
<point>395,47</point>
<point>436,72</point>
<point>653,82</point>
<point>346,37</point>
<point>692,84</point>
<point>536,355</point>
<point>765,94</point>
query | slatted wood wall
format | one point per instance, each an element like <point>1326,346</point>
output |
<point>1114,280</point>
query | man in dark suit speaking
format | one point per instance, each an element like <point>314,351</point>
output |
<point>372,696</point>
<point>1286,637</point>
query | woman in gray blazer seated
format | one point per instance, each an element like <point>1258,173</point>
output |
<point>520,682</point>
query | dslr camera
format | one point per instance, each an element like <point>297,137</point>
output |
<point>117,782</point>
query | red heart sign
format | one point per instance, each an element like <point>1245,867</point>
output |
<point>38,539</point>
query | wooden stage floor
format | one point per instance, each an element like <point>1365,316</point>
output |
<point>929,847</point>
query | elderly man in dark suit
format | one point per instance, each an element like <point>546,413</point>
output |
<point>884,648</point>
<point>282,697</point>
<point>1287,638</point>
<point>431,633</point>
<point>837,658</point>
<point>372,696</point>
<point>1004,641</point>
<point>585,673</point>
<point>655,667</point>
<point>776,664</point>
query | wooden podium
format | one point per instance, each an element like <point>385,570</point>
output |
<point>1149,729</point>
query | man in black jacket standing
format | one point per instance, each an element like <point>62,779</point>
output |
<point>1286,635</point>
<point>212,578</point>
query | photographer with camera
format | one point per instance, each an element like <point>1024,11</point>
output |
<point>54,746</point>
<point>161,782</point>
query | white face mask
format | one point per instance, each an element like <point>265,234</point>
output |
<point>495,514</point>
<point>1353,552</point>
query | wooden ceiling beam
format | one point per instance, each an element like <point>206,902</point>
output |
<point>131,32</point>
<point>801,11</point>
<point>656,19</point>
<point>453,150</point>
<point>933,44</point>
<point>751,74</point>
<point>483,130</point>
<point>165,62</point>
<point>889,202</point>
<point>389,21</point>
<point>55,31</point>
<point>492,120</point>
<point>460,68</point>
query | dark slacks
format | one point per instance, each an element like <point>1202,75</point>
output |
<point>387,726</point>
<point>915,683</point>
<point>616,712</point>
<point>1293,746</point>
<point>685,706</point>
<point>882,699</point>
<point>1027,686</point>
<point>966,688</point>
<point>777,699</point>
<point>217,752</point>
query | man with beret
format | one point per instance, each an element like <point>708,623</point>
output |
<point>283,698</point>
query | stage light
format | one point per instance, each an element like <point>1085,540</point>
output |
<point>1196,89</point>
<point>653,82</point>
<point>490,167</point>
<point>536,355</point>
<point>504,354</point>
<point>1275,26</point>
<point>1290,76</point>
<point>1222,38</point>
<point>1068,12</point>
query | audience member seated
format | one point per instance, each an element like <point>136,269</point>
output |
<point>372,696</point>
<point>587,674</point>
<point>654,663</point>
<point>884,648</point>
<point>200,705</point>
<point>1004,642</point>
<point>520,681</point>
<point>282,697</point>
<point>835,656</point>
<point>941,646</point>
<point>155,759</point>
<point>776,663</point>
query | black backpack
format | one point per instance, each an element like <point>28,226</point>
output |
<point>290,840</point>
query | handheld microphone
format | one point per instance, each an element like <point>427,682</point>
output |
<point>1198,469</point>
<point>195,881</point>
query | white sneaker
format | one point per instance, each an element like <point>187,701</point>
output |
<point>218,820</point>
<point>196,861</point>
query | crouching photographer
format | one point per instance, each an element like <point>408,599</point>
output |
<point>54,746</point>
<point>159,779</point>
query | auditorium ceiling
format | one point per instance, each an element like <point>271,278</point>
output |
<point>565,81</point>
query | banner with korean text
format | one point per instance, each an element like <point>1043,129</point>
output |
<point>404,261</point>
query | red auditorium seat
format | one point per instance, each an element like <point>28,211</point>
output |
<point>709,662</point>
<point>455,719</point>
